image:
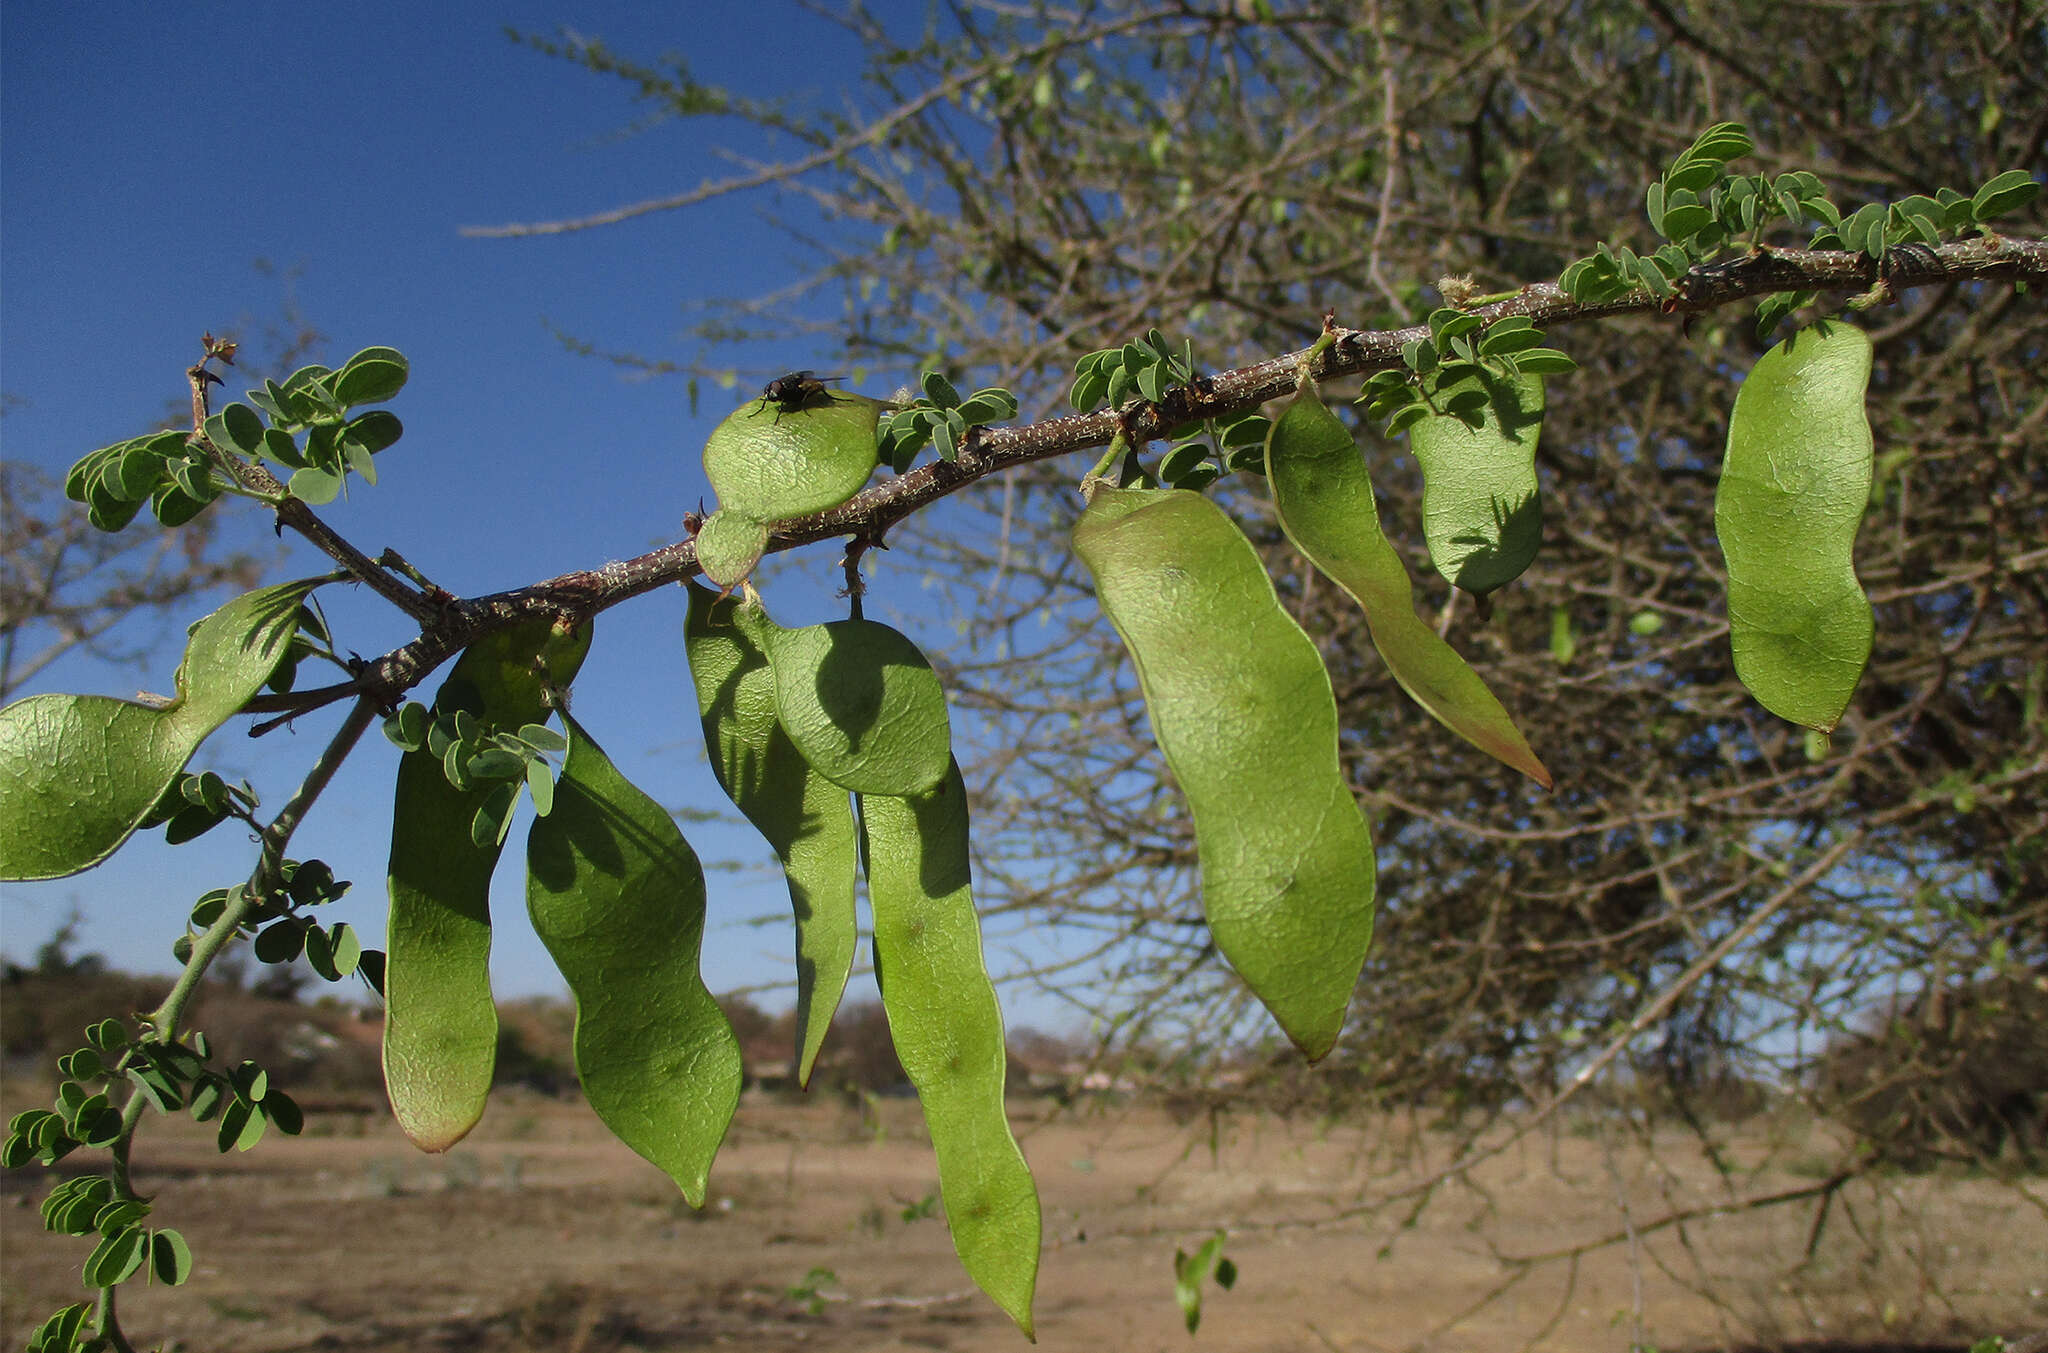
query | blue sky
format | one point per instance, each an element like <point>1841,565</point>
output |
<point>152,155</point>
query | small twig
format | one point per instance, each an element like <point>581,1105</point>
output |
<point>253,479</point>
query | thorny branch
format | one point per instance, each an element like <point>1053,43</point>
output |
<point>447,627</point>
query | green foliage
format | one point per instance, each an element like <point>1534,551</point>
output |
<point>196,804</point>
<point>164,1076</point>
<point>1241,708</point>
<point>1147,368</point>
<point>315,402</point>
<point>1454,376</point>
<point>1877,228</point>
<point>62,1332</point>
<point>1701,209</point>
<point>940,417</point>
<point>311,435</point>
<point>1793,491</point>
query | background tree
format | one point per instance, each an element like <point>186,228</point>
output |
<point>1022,188</point>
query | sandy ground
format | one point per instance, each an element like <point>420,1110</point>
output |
<point>541,1232</point>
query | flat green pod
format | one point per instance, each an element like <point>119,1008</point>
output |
<point>1242,709</point>
<point>78,773</point>
<point>858,699</point>
<point>440,1023</point>
<point>1324,497</point>
<point>805,817</point>
<point>1793,490</point>
<point>1482,511</point>
<point>769,462</point>
<point>617,896</point>
<point>729,544</point>
<point>948,1032</point>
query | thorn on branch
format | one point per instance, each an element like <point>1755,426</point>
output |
<point>856,587</point>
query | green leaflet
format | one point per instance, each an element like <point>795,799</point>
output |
<point>440,1024</point>
<point>1324,497</point>
<point>79,772</point>
<point>948,1032</point>
<point>768,463</point>
<point>805,817</point>
<point>617,896</point>
<point>1793,491</point>
<point>1241,707</point>
<point>858,699</point>
<point>1481,509</point>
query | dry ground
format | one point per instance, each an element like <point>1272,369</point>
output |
<point>540,1232</point>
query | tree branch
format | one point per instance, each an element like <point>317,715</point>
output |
<point>868,516</point>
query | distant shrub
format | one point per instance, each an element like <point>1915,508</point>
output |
<point>44,1015</point>
<point>519,1062</point>
<point>303,1047</point>
<point>1959,1073</point>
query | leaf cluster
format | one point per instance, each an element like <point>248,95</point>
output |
<point>473,752</point>
<point>1701,209</point>
<point>163,1075</point>
<point>311,434</point>
<point>1148,369</point>
<point>1461,349</point>
<point>939,417</point>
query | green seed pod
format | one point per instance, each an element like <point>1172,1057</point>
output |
<point>617,896</point>
<point>1242,709</point>
<point>804,816</point>
<point>859,701</point>
<point>440,1023</point>
<point>948,1032</point>
<point>78,773</point>
<point>729,544</point>
<point>1793,490</point>
<point>769,462</point>
<point>1481,510</point>
<point>1323,494</point>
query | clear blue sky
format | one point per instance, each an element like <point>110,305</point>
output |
<point>152,154</point>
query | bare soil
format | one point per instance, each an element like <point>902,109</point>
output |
<point>542,1233</point>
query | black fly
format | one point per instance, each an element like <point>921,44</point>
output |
<point>796,391</point>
